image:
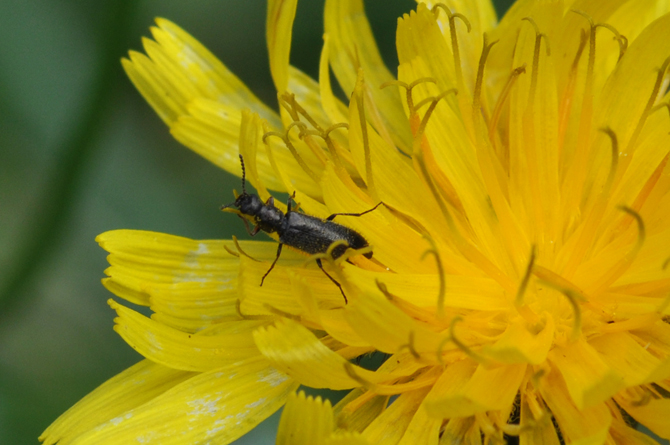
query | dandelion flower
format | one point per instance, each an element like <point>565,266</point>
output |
<point>519,283</point>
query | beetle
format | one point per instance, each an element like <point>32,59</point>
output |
<point>306,233</point>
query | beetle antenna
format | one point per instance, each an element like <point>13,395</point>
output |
<point>244,188</point>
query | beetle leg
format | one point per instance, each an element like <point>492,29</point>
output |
<point>270,202</point>
<point>246,226</point>
<point>318,262</point>
<point>288,203</point>
<point>332,217</point>
<point>273,263</point>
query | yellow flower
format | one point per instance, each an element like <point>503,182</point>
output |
<point>519,281</point>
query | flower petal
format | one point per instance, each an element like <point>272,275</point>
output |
<point>388,328</point>
<point>390,426</point>
<point>217,406</point>
<point>310,421</point>
<point>588,425</point>
<point>634,364</point>
<point>214,348</point>
<point>465,389</point>
<point>296,350</point>
<point>142,260</point>
<point>133,387</point>
<point>589,380</point>
<point>352,46</point>
<point>653,414</point>
<point>422,429</point>
<point>466,292</point>
<point>278,31</point>
<point>519,345</point>
<point>305,420</point>
<point>191,307</point>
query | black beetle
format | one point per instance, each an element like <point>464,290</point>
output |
<point>303,232</point>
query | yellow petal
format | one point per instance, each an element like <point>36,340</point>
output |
<point>462,430</point>
<point>589,380</point>
<point>297,351</point>
<point>653,414</point>
<point>278,31</point>
<point>536,424</point>
<point>388,328</point>
<point>518,344</point>
<point>212,129</point>
<point>352,46</point>
<point>212,348</point>
<point>588,425</point>
<point>533,139</point>
<point>333,107</point>
<point>133,387</point>
<point>422,429</point>
<point>465,389</point>
<point>622,434</point>
<point>309,421</point>
<point>140,260</point>
<point>358,409</point>
<point>191,307</point>
<point>181,77</point>
<point>390,426</point>
<point>419,37</point>
<point>629,87</point>
<point>482,18</point>
<point>381,231</point>
<point>217,406</point>
<point>630,360</point>
<point>466,292</point>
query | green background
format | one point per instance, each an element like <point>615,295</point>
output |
<point>82,153</point>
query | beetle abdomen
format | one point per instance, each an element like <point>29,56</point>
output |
<point>314,235</point>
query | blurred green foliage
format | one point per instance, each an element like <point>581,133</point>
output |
<point>82,153</point>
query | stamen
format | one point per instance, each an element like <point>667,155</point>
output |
<point>622,40</point>
<point>424,121</point>
<point>624,263</point>
<point>574,299</point>
<point>536,58</point>
<point>408,90</point>
<point>518,302</point>
<point>497,111</point>
<point>476,96</point>
<point>454,38</point>
<point>595,215</point>
<point>487,427</point>
<point>407,307</point>
<point>410,346</point>
<point>239,250</point>
<point>440,269</point>
<point>660,76</point>
<point>566,100</point>
<point>643,399</point>
<point>292,149</point>
<point>297,109</point>
<point>231,251</point>
<point>659,106</point>
<point>435,98</point>
<point>469,352</point>
<point>440,348</point>
<point>615,158</point>
<point>335,153</point>
<point>360,104</point>
<point>351,372</point>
